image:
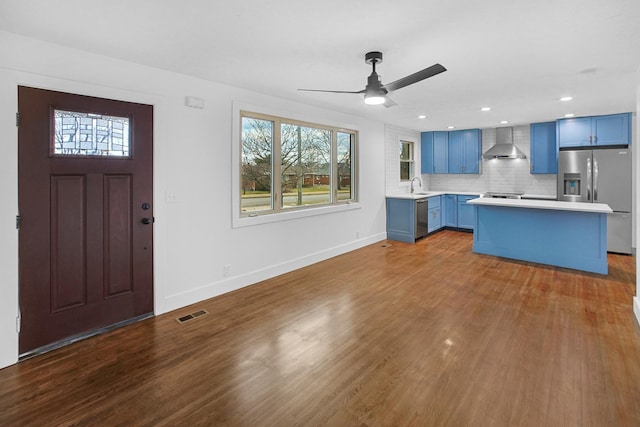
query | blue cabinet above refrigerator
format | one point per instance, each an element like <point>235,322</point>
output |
<point>597,131</point>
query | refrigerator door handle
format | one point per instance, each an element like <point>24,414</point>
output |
<point>595,180</point>
<point>589,178</point>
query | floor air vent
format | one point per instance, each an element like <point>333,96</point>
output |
<point>191,316</point>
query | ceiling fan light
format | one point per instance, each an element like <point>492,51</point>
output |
<point>374,99</point>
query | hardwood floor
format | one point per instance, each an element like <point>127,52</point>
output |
<point>390,335</point>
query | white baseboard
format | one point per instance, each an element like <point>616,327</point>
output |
<point>636,308</point>
<point>176,301</point>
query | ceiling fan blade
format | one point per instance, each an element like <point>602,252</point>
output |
<point>388,102</point>
<point>331,91</point>
<point>415,77</point>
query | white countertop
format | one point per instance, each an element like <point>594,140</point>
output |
<point>426,194</point>
<point>543,204</point>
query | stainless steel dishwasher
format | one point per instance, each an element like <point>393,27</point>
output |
<point>422,217</point>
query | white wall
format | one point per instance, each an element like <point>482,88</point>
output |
<point>193,237</point>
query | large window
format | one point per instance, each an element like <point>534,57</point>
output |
<point>289,165</point>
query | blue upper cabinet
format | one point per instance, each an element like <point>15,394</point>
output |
<point>472,150</point>
<point>574,132</point>
<point>440,152</point>
<point>426,152</point>
<point>613,129</point>
<point>434,152</point>
<point>456,151</point>
<point>451,152</point>
<point>464,151</point>
<point>544,152</point>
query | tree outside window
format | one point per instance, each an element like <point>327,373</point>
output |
<point>316,165</point>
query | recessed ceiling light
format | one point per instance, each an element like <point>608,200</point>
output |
<point>485,109</point>
<point>451,127</point>
<point>422,116</point>
<point>569,115</point>
<point>566,98</point>
<point>504,122</point>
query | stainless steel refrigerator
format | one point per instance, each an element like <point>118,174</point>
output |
<point>600,176</point>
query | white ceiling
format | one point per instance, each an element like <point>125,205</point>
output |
<point>517,57</point>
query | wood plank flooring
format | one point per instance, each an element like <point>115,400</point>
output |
<point>390,335</point>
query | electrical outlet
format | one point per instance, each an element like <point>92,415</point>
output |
<point>226,270</point>
<point>170,197</point>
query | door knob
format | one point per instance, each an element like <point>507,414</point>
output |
<point>146,221</point>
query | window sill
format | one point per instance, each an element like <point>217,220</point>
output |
<point>249,221</point>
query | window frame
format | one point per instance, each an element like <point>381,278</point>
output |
<point>410,161</point>
<point>278,212</point>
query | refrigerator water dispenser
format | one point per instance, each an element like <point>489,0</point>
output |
<point>571,184</point>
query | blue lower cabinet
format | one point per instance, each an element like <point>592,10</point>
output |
<point>401,220</point>
<point>466,213</point>
<point>435,218</point>
<point>449,210</point>
<point>564,238</point>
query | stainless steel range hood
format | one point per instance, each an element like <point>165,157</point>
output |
<point>504,148</point>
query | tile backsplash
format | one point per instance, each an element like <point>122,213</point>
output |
<point>498,175</point>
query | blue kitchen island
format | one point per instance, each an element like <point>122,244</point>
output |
<point>563,234</point>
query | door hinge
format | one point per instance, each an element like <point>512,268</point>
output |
<point>17,222</point>
<point>17,119</point>
<point>18,322</point>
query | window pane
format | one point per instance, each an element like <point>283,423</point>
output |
<point>405,171</point>
<point>345,146</point>
<point>256,169</point>
<point>405,150</point>
<point>306,165</point>
<point>87,134</point>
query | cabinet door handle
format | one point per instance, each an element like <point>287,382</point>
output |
<point>589,178</point>
<point>595,180</point>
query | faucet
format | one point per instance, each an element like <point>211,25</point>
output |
<point>419,181</point>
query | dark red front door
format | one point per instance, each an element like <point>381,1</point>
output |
<point>85,171</point>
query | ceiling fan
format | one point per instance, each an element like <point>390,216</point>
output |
<point>375,92</point>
